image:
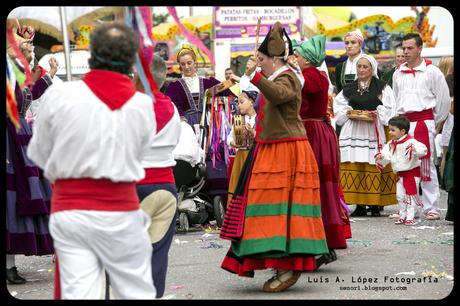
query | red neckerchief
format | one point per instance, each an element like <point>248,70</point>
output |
<point>164,109</point>
<point>112,88</point>
<point>394,143</point>
<point>411,70</point>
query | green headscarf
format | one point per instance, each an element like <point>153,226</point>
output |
<point>313,50</point>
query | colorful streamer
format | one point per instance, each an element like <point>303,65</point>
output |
<point>191,38</point>
<point>139,19</point>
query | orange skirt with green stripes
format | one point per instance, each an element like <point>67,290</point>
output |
<point>283,228</point>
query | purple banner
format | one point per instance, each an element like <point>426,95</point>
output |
<point>241,22</point>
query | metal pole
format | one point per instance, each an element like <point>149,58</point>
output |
<point>302,31</point>
<point>65,40</point>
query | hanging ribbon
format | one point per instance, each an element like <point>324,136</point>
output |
<point>11,105</point>
<point>191,38</point>
<point>14,45</point>
<point>138,18</point>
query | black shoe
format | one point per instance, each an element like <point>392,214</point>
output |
<point>13,277</point>
<point>359,211</point>
<point>375,211</point>
<point>326,258</point>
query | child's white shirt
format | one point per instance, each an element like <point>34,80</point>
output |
<point>406,156</point>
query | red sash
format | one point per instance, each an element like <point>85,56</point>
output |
<point>421,134</point>
<point>408,178</point>
<point>93,194</point>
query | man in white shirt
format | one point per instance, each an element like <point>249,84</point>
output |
<point>422,95</point>
<point>89,138</point>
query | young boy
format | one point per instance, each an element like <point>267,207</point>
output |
<point>403,151</point>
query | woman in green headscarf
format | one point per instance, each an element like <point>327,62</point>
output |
<point>321,135</point>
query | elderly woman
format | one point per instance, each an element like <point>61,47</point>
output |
<point>321,136</point>
<point>360,140</point>
<point>282,227</point>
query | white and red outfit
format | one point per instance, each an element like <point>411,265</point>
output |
<point>422,96</point>
<point>89,138</point>
<point>404,155</point>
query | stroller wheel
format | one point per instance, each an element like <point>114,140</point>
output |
<point>183,222</point>
<point>219,210</point>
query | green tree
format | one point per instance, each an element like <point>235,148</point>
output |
<point>159,19</point>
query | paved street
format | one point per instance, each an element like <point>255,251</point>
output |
<point>383,261</point>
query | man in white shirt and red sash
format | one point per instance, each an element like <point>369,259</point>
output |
<point>422,96</point>
<point>89,138</point>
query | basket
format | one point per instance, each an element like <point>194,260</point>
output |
<point>362,115</point>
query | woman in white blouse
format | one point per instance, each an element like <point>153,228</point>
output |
<point>359,140</point>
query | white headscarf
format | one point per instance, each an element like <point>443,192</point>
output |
<point>373,62</point>
<point>357,34</point>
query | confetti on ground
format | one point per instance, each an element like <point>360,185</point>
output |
<point>358,219</point>
<point>363,242</point>
<point>434,274</point>
<point>50,270</point>
<point>178,241</point>
<point>448,233</point>
<point>424,227</point>
<point>175,287</point>
<point>210,244</point>
<point>449,277</point>
<point>41,270</point>
<point>406,273</point>
<point>189,296</point>
<point>14,293</point>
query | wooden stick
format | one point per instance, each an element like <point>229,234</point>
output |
<point>219,87</point>
<point>257,36</point>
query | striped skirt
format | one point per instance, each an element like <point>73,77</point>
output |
<point>283,228</point>
<point>28,196</point>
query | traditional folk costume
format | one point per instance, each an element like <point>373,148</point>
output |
<point>448,178</point>
<point>157,191</point>
<point>323,140</point>
<point>422,96</point>
<point>359,141</point>
<point>28,193</point>
<point>404,155</point>
<point>243,150</point>
<point>89,137</point>
<point>187,93</point>
<point>282,226</point>
<point>345,72</point>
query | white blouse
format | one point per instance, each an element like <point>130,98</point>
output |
<point>75,135</point>
<point>358,140</point>
<point>401,159</point>
<point>193,83</point>
<point>427,89</point>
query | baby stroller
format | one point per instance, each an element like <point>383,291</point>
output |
<point>195,205</point>
<point>196,201</point>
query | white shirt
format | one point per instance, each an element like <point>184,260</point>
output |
<point>193,83</point>
<point>400,159</point>
<point>160,153</point>
<point>428,89</point>
<point>350,64</point>
<point>75,135</point>
<point>188,148</point>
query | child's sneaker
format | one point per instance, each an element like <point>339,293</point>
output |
<point>409,222</point>
<point>399,221</point>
